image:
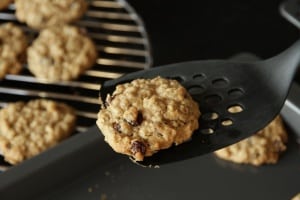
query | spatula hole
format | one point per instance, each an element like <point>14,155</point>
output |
<point>199,77</point>
<point>235,93</point>
<point>177,78</point>
<point>213,99</point>
<point>207,131</point>
<point>220,83</point>
<point>210,116</point>
<point>196,89</point>
<point>235,109</point>
<point>227,122</point>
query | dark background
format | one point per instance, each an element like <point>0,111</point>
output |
<point>189,30</point>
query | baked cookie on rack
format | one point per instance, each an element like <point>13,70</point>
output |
<point>146,115</point>
<point>13,44</point>
<point>28,128</point>
<point>61,53</point>
<point>40,14</point>
<point>4,3</point>
<point>264,147</point>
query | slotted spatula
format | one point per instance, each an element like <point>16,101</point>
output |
<point>236,99</point>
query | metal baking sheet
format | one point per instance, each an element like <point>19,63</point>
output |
<point>289,9</point>
<point>85,167</point>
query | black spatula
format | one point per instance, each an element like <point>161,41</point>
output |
<point>236,99</point>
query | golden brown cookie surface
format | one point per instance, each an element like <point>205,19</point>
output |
<point>147,115</point>
<point>40,14</point>
<point>264,147</point>
<point>4,3</point>
<point>61,54</point>
<point>13,44</point>
<point>26,129</point>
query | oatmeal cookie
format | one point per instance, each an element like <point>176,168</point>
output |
<point>264,147</point>
<point>40,14</point>
<point>147,115</point>
<point>13,45</point>
<point>61,54</point>
<point>28,128</point>
<point>4,3</point>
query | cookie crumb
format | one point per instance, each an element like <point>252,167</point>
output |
<point>103,197</point>
<point>90,189</point>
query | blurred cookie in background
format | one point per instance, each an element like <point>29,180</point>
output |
<point>40,14</point>
<point>29,128</point>
<point>13,44</point>
<point>61,53</point>
<point>265,147</point>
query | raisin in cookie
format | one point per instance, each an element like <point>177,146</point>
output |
<point>4,4</point>
<point>264,147</point>
<point>26,129</point>
<point>147,115</point>
<point>40,14</point>
<point>13,44</point>
<point>61,54</point>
